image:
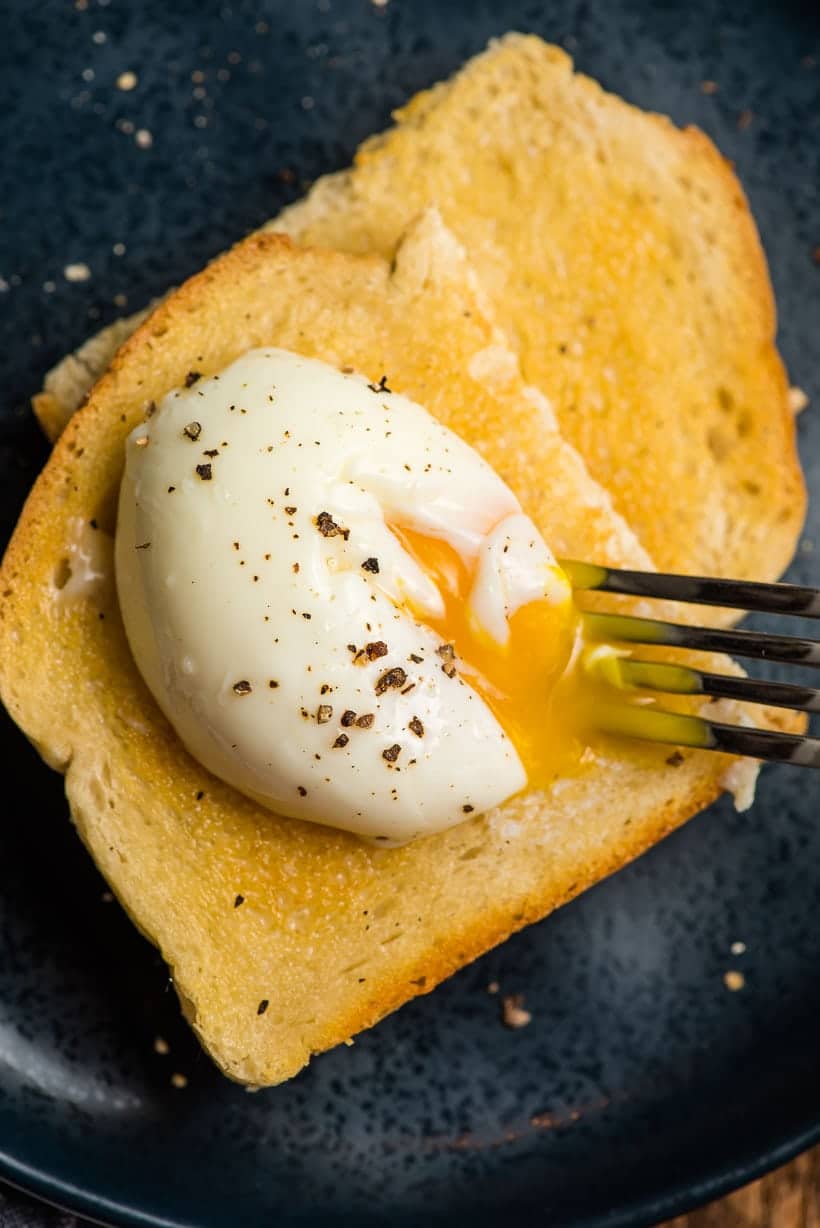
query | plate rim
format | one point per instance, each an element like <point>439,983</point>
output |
<point>681,1198</point>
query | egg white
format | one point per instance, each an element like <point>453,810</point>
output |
<point>255,564</point>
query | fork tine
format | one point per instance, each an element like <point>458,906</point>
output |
<point>683,680</point>
<point>675,729</point>
<point>786,649</point>
<point>702,590</point>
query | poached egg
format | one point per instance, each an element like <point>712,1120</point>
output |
<point>337,603</point>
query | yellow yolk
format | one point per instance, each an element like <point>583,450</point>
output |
<point>531,683</point>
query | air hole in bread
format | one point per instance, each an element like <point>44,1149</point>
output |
<point>745,424</point>
<point>719,443</point>
<point>62,574</point>
<point>725,399</point>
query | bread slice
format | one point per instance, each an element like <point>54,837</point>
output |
<point>246,907</point>
<point>625,267</point>
<point>624,264</point>
<point>68,384</point>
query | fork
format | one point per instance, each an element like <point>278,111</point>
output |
<point>627,673</point>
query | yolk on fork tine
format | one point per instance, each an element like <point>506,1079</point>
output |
<point>526,682</point>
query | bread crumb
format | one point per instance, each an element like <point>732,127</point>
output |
<point>118,249</point>
<point>77,272</point>
<point>493,987</point>
<point>127,81</point>
<point>143,138</point>
<point>734,980</point>
<point>161,1046</point>
<point>738,948</point>
<point>744,119</point>
<point>709,87</point>
<point>797,400</point>
<point>513,1013</point>
<point>107,897</point>
<point>178,1080</point>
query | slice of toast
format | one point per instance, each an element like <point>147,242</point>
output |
<point>623,263</point>
<point>245,906</point>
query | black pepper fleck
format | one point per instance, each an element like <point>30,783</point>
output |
<point>416,727</point>
<point>323,713</point>
<point>348,717</point>
<point>375,649</point>
<point>242,687</point>
<point>371,565</point>
<point>365,721</point>
<point>205,472</point>
<point>381,386</point>
<point>240,899</point>
<point>392,753</point>
<point>193,430</point>
<point>342,740</point>
<point>262,1007</point>
<point>328,527</point>
<point>192,377</point>
<point>395,677</point>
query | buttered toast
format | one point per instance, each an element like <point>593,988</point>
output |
<point>331,933</point>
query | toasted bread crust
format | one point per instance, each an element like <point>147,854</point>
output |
<point>333,933</point>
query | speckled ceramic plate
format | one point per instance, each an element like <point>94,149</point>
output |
<point>642,1084</point>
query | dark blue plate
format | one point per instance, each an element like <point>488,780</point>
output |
<point>642,1085</point>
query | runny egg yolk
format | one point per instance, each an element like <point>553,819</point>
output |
<point>531,683</point>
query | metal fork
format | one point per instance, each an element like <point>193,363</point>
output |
<point>684,730</point>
